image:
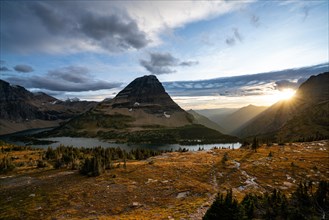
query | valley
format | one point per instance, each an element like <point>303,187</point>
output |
<point>164,110</point>
<point>177,185</point>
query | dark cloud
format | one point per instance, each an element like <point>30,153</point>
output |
<point>284,84</point>
<point>111,31</point>
<point>73,74</point>
<point>163,63</point>
<point>4,69</point>
<point>245,85</point>
<point>69,79</point>
<point>23,68</point>
<point>51,19</point>
<point>189,63</point>
<point>237,34</point>
<point>255,20</point>
<point>306,11</point>
<point>230,41</point>
<point>69,26</point>
<point>158,70</point>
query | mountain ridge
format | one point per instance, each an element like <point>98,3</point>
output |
<point>21,109</point>
<point>203,120</point>
<point>142,112</point>
<point>294,119</point>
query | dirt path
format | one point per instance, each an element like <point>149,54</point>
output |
<point>201,211</point>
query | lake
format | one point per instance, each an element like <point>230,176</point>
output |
<point>94,142</point>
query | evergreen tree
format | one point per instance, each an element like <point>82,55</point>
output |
<point>301,204</point>
<point>321,200</point>
<point>224,159</point>
<point>224,208</point>
<point>254,144</point>
<point>248,205</point>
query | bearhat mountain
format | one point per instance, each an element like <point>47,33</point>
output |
<point>142,112</point>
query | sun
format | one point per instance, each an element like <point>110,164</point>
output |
<point>285,94</point>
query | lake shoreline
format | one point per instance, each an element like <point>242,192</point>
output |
<point>27,138</point>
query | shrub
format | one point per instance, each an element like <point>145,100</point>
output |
<point>6,165</point>
<point>41,164</point>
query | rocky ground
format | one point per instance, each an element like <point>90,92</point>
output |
<point>169,186</point>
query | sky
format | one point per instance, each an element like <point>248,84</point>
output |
<point>208,54</point>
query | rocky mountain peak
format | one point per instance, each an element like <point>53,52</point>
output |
<point>315,89</point>
<point>10,92</point>
<point>145,92</point>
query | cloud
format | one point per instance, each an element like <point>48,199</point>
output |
<point>68,79</point>
<point>69,27</point>
<point>306,11</point>
<point>163,63</point>
<point>237,34</point>
<point>112,31</point>
<point>189,63</point>
<point>245,85</point>
<point>99,26</point>
<point>23,68</point>
<point>159,63</point>
<point>4,69</point>
<point>255,20</point>
<point>160,15</point>
<point>284,84</point>
<point>230,41</point>
<point>73,74</point>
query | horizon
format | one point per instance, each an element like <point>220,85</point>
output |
<point>207,54</point>
<point>186,100</point>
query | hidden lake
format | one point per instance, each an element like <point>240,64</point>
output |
<point>16,138</point>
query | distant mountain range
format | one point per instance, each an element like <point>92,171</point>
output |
<point>231,119</point>
<point>217,115</point>
<point>142,112</point>
<point>21,109</point>
<point>200,119</point>
<point>304,117</point>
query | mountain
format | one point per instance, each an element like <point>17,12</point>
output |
<point>21,109</point>
<point>217,115</point>
<point>142,112</point>
<point>241,116</point>
<point>200,119</point>
<point>304,117</point>
<point>231,119</point>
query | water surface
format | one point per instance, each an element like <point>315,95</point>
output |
<point>94,142</point>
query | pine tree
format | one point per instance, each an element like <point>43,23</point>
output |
<point>224,159</point>
<point>224,208</point>
<point>321,200</point>
<point>255,144</point>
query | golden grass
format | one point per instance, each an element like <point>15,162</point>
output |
<point>149,190</point>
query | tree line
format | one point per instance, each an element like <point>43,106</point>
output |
<point>94,161</point>
<point>304,203</point>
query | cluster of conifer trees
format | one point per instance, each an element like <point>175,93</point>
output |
<point>90,161</point>
<point>304,203</point>
<point>94,161</point>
